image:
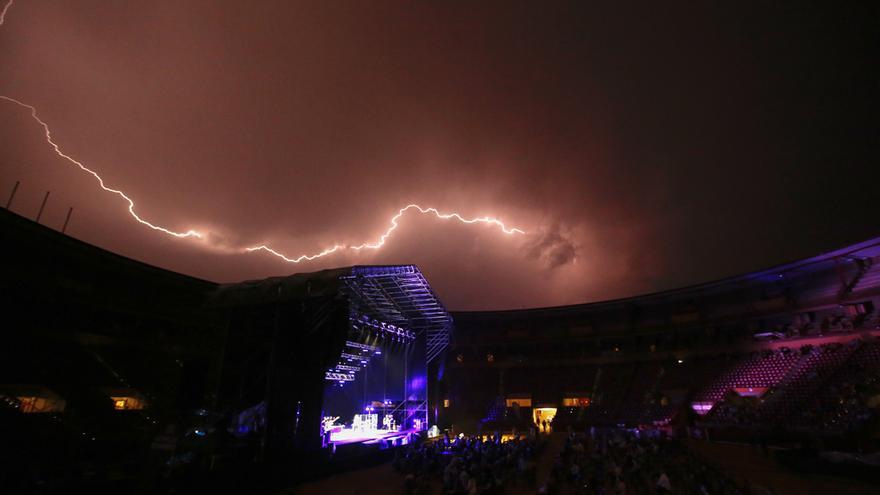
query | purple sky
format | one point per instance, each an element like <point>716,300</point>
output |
<point>641,149</point>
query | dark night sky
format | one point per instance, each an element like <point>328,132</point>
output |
<point>642,148</point>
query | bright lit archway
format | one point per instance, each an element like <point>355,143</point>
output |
<point>542,414</point>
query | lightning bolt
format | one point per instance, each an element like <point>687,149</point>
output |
<point>443,216</point>
<point>378,243</point>
<point>394,224</point>
<point>48,133</point>
<point>298,259</point>
<point>3,12</point>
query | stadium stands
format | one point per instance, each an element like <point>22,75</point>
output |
<point>757,351</point>
<point>121,365</point>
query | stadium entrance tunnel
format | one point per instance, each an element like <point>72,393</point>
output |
<point>542,413</point>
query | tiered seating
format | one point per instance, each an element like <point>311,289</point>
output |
<point>764,371</point>
<point>840,403</point>
<point>818,365</point>
<point>832,376</point>
<point>659,412</point>
<point>757,371</point>
<point>695,374</point>
<point>496,411</point>
<point>472,393</point>
<point>823,387</point>
<point>632,409</point>
<point>715,391</point>
<point>869,355</point>
<point>676,382</point>
<point>612,389</point>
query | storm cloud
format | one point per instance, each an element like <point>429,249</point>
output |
<point>639,148</point>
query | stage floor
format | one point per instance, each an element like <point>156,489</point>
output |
<point>348,436</point>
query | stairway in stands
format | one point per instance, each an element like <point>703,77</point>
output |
<point>865,275</point>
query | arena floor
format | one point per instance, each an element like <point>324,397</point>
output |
<point>744,463</point>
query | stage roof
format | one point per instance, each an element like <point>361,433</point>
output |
<point>400,295</point>
<point>395,294</point>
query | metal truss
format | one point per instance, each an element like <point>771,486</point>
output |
<point>399,295</point>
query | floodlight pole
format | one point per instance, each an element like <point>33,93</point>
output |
<point>12,195</point>
<point>67,220</point>
<point>42,206</point>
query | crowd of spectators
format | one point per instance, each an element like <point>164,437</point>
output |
<point>846,405</point>
<point>468,465</point>
<point>617,462</point>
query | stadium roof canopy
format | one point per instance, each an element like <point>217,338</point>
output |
<point>832,277</point>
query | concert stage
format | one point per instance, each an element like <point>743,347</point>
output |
<point>392,437</point>
<point>337,358</point>
<point>377,389</point>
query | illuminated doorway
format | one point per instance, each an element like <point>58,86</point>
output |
<point>542,414</point>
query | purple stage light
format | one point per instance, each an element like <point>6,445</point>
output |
<point>340,377</point>
<point>387,330</point>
